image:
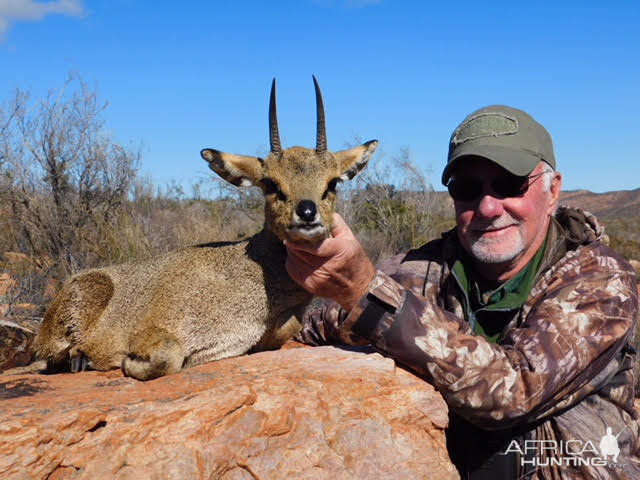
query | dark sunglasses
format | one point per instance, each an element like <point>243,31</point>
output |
<point>507,186</point>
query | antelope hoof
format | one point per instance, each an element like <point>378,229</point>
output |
<point>79,362</point>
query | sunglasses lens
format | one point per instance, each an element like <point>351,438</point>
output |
<point>512,186</point>
<point>464,191</point>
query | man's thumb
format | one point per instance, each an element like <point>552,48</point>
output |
<point>339,228</point>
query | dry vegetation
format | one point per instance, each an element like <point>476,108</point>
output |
<point>624,233</point>
<point>71,198</point>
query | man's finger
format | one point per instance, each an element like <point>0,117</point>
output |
<point>329,247</point>
<point>300,247</point>
<point>308,259</point>
<point>339,227</point>
<point>296,271</point>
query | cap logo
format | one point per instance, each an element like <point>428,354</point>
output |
<point>491,124</point>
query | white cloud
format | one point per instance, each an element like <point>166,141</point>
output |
<point>32,11</point>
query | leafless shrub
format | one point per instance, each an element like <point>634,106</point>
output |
<point>64,180</point>
<point>392,206</point>
<point>69,194</point>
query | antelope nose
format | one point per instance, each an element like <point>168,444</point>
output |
<point>306,210</point>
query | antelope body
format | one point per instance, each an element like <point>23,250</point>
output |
<point>212,301</point>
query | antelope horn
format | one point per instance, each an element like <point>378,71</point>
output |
<point>321,135</point>
<point>274,136</point>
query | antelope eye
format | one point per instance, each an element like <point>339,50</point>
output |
<point>270,187</point>
<point>331,187</point>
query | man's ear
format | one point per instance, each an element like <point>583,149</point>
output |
<point>554,190</point>
<point>352,161</point>
<point>240,170</point>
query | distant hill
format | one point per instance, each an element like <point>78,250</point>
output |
<point>618,212</point>
<point>605,206</point>
<point>617,204</point>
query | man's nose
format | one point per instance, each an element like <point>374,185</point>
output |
<point>489,207</point>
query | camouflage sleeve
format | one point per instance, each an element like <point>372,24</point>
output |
<point>578,318</point>
<point>320,325</point>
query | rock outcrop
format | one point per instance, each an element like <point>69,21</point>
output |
<point>15,345</point>
<point>312,413</point>
<point>7,283</point>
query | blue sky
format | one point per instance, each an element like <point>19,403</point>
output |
<point>180,76</point>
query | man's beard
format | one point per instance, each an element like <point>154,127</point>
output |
<point>502,249</point>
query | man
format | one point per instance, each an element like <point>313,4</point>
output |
<point>519,316</point>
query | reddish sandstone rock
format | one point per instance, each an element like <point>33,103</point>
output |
<point>312,413</point>
<point>15,345</point>
<point>51,289</point>
<point>17,261</point>
<point>7,283</point>
<point>27,310</point>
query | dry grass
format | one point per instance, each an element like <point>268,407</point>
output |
<point>71,199</point>
<point>151,221</point>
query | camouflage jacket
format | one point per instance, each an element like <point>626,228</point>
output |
<point>561,374</point>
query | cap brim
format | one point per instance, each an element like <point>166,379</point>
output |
<point>516,161</point>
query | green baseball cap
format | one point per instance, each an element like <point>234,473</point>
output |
<point>507,136</point>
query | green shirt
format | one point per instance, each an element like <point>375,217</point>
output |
<point>489,312</point>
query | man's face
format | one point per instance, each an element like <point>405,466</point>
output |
<point>503,233</point>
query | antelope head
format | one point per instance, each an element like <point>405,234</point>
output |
<point>299,184</point>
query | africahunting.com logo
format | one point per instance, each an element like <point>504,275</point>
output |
<point>546,453</point>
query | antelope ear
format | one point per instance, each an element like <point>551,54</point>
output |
<point>240,170</point>
<point>352,161</point>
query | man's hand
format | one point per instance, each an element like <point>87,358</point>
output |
<point>337,268</point>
